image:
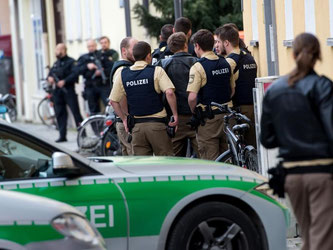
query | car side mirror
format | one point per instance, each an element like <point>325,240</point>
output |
<point>63,165</point>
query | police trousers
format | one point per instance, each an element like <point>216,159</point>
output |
<point>211,138</point>
<point>311,196</point>
<point>126,148</point>
<point>63,97</point>
<point>183,134</point>
<point>151,138</point>
<point>95,93</point>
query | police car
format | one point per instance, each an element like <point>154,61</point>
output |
<point>31,222</point>
<point>148,202</point>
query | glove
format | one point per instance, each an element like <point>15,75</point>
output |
<point>171,131</point>
<point>194,122</point>
<point>276,182</point>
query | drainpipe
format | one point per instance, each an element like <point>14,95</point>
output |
<point>178,5</point>
<point>128,17</point>
<point>271,38</point>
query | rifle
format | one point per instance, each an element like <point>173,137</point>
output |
<point>98,63</point>
<point>56,78</point>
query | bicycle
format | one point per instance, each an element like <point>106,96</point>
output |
<point>4,115</point>
<point>45,108</point>
<point>238,152</point>
<point>97,134</point>
<point>9,101</point>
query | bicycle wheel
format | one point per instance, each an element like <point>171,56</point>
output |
<point>251,160</point>
<point>88,137</point>
<point>46,112</point>
<point>227,157</point>
<point>110,145</point>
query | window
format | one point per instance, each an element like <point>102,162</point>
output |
<point>37,25</point>
<point>87,20</point>
<point>288,11</point>
<point>255,30</point>
<point>97,19</point>
<point>310,17</point>
<point>73,20</point>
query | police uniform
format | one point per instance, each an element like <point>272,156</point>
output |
<point>95,87</point>
<point>245,75</point>
<point>163,52</point>
<point>63,69</point>
<point>212,79</point>
<point>126,147</point>
<point>177,68</point>
<point>160,53</point>
<point>108,59</point>
<point>143,84</point>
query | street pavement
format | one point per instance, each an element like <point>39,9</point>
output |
<point>51,134</point>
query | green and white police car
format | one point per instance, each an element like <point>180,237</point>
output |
<point>149,202</point>
<point>29,222</point>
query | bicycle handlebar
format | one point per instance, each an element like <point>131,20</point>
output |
<point>225,109</point>
<point>222,107</point>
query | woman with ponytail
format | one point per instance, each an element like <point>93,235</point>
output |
<point>298,119</point>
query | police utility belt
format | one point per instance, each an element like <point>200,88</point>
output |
<point>279,173</point>
<point>201,114</point>
<point>131,121</point>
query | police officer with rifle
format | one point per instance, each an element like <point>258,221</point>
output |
<point>95,80</point>
<point>63,77</point>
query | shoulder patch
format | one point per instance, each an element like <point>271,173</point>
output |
<point>163,48</point>
<point>191,79</point>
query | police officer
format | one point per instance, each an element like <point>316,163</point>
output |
<point>218,43</point>
<point>108,56</point>
<point>95,80</point>
<point>245,75</point>
<point>126,48</point>
<point>297,118</point>
<point>142,84</point>
<point>178,68</point>
<point>163,51</point>
<point>64,78</point>
<point>183,24</point>
<point>211,80</point>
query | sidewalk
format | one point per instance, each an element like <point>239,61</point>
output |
<point>49,134</point>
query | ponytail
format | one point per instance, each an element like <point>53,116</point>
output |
<point>306,52</point>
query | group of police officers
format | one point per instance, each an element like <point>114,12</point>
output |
<point>95,67</point>
<point>161,108</point>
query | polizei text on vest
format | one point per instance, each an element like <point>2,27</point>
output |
<point>220,71</point>
<point>136,82</point>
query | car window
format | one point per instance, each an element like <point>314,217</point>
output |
<point>20,158</point>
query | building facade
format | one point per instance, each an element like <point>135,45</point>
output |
<point>271,25</point>
<point>38,25</point>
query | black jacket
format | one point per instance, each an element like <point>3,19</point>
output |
<point>178,69</point>
<point>108,58</point>
<point>63,69</point>
<point>299,119</point>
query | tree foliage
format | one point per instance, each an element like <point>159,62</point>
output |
<point>204,14</point>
